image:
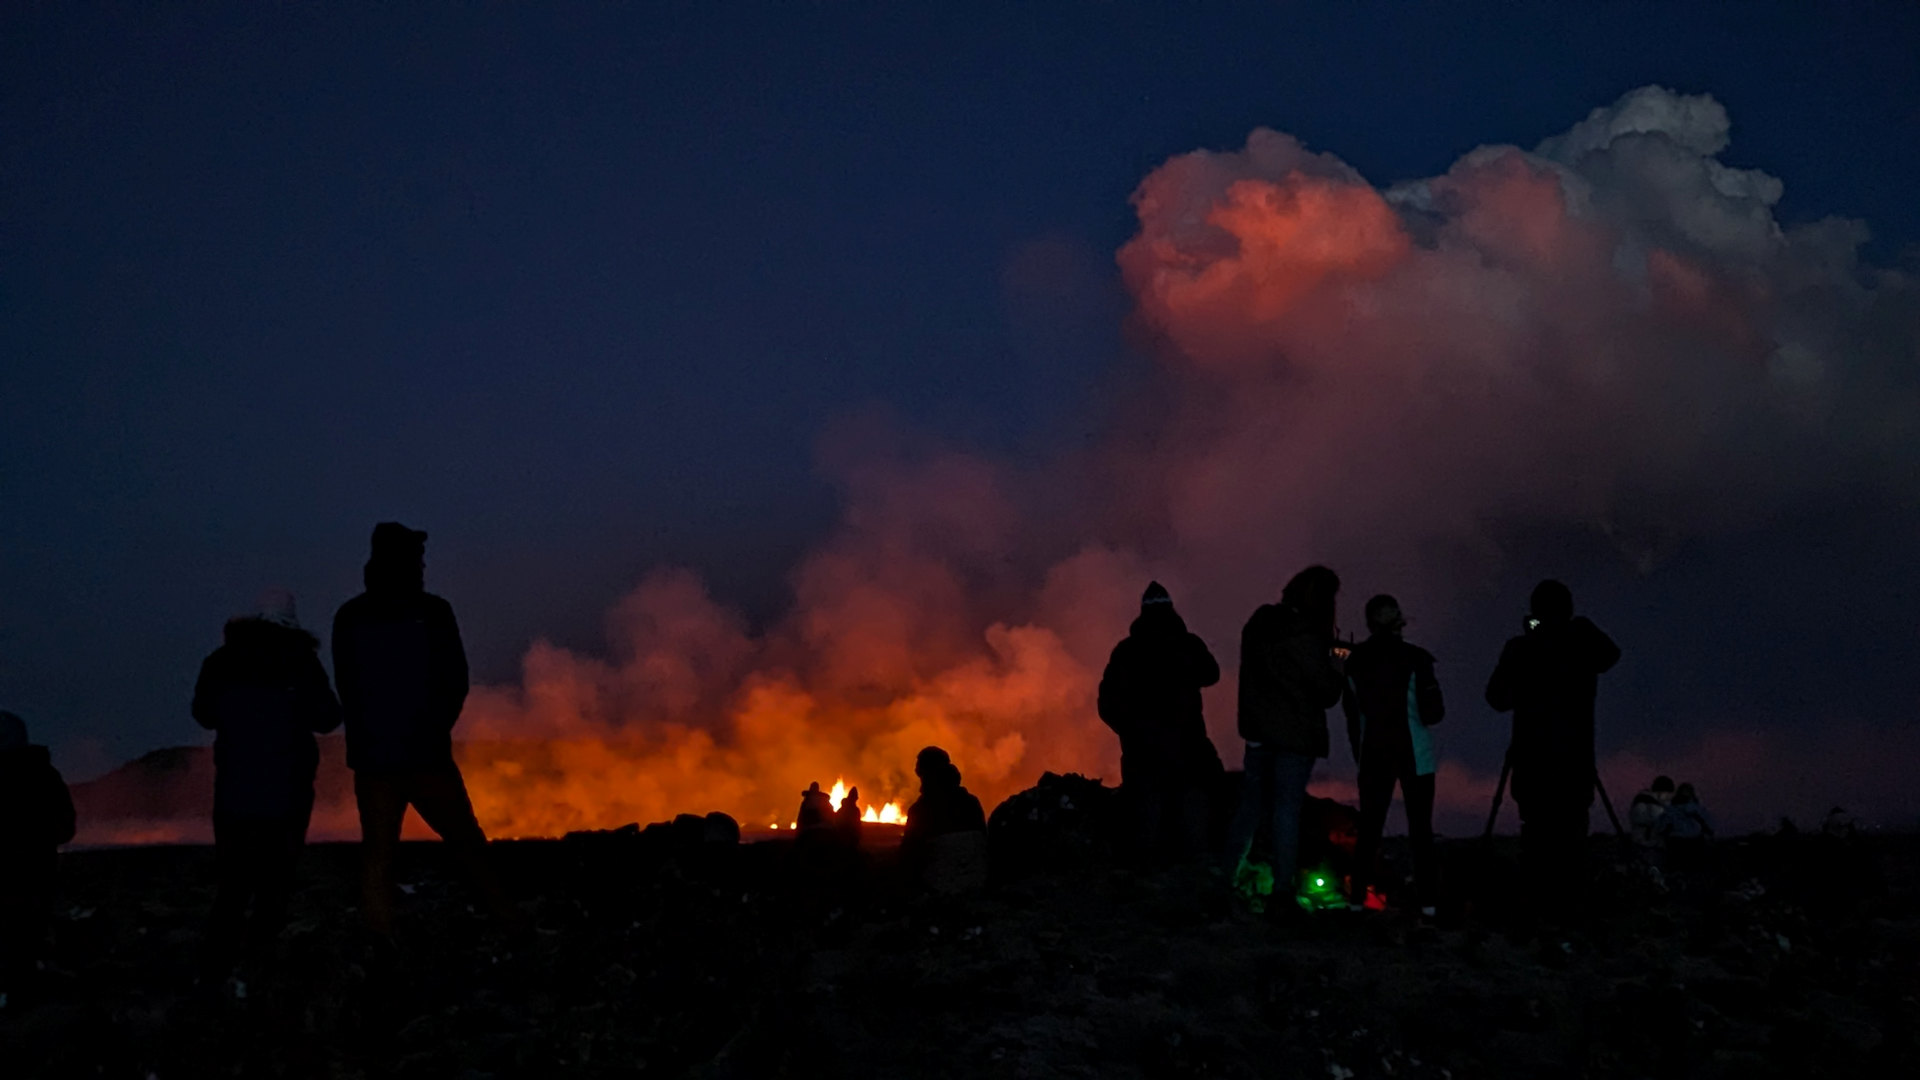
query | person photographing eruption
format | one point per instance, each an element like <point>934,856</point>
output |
<point>1548,678</point>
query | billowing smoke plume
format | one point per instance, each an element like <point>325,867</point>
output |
<point>1611,330</point>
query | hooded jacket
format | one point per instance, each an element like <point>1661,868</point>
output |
<point>1287,681</point>
<point>402,674</point>
<point>36,811</point>
<point>264,695</point>
<point>1392,698</point>
<point>1150,697</point>
<point>1548,679</point>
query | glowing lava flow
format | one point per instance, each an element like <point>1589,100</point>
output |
<point>890,814</point>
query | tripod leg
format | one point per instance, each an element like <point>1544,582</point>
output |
<point>1608,803</point>
<point>1499,792</point>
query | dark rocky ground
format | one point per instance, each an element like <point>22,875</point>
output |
<point>1785,956</point>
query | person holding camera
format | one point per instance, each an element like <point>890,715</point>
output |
<point>1549,678</point>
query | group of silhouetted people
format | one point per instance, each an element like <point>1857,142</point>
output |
<point>401,676</point>
<point>1293,669</point>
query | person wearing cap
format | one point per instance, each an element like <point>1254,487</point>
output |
<point>1549,678</point>
<point>265,696</point>
<point>1392,697</point>
<point>1150,697</point>
<point>36,817</point>
<point>1289,678</point>
<point>402,675</point>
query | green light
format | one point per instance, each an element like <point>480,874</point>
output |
<point>1319,881</point>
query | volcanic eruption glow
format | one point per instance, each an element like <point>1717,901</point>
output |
<point>1609,331</point>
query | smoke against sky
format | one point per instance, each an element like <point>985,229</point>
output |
<point>1610,333</point>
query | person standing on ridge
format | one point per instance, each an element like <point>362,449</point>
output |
<point>1150,697</point>
<point>1289,678</point>
<point>1392,698</point>
<point>36,817</point>
<point>402,674</point>
<point>265,696</point>
<point>1549,677</point>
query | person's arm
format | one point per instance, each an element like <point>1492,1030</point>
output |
<point>1500,687</point>
<point>316,694</point>
<point>1602,652</point>
<point>60,818</point>
<point>346,671</point>
<point>1311,658</point>
<point>205,689</point>
<point>1112,700</point>
<point>1206,670</point>
<point>451,660</point>
<point>1356,723</point>
<point>1426,691</point>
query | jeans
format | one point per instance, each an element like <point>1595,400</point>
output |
<point>440,797</point>
<point>254,860</point>
<point>1376,796</point>
<point>1272,792</point>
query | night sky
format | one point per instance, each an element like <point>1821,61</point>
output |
<point>580,288</point>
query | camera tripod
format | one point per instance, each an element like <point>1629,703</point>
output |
<point>1500,791</point>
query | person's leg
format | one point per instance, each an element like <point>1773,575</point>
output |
<point>1416,794</point>
<point>382,801</point>
<point>1193,809</point>
<point>1256,805</point>
<point>234,855</point>
<point>441,798</point>
<point>1291,772</point>
<point>1148,806</point>
<point>279,857</point>
<point>27,883</point>
<point>1376,797</point>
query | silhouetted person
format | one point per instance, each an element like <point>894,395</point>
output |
<point>944,806</point>
<point>1684,830</point>
<point>1289,678</point>
<point>847,819</point>
<point>1548,678</point>
<point>1392,699</point>
<point>816,809</point>
<point>1645,813</point>
<point>1150,697</point>
<point>402,674</point>
<point>36,817</point>
<point>264,695</point>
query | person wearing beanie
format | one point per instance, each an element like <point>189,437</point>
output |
<point>402,674</point>
<point>265,696</point>
<point>1150,697</point>
<point>1289,678</point>
<point>1549,678</point>
<point>1392,697</point>
<point>36,817</point>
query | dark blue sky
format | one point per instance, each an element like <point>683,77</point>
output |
<point>577,287</point>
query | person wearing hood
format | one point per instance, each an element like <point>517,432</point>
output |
<point>1549,678</point>
<point>36,817</point>
<point>402,674</point>
<point>944,805</point>
<point>1289,678</point>
<point>1392,697</point>
<point>265,696</point>
<point>1150,697</point>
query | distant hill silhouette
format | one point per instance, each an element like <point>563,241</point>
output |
<point>166,796</point>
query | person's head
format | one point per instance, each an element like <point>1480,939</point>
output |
<point>1663,785</point>
<point>398,562</point>
<point>1383,615</point>
<point>13,731</point>
<point>1156,598</point>
<point>1312,592</point>
<point>276,606</point>
<point>1685,794</point>
<point>1552,603</point>
<point>930,761</point>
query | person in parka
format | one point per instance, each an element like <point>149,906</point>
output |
<point>1392,698</point>
<point>265,696</point>
<point>1150,697</point>
<point>36,817</point>
<point>1549,678</point>
<point>402,674</point>
<point>1289,678</point>
<point>944,805</point>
